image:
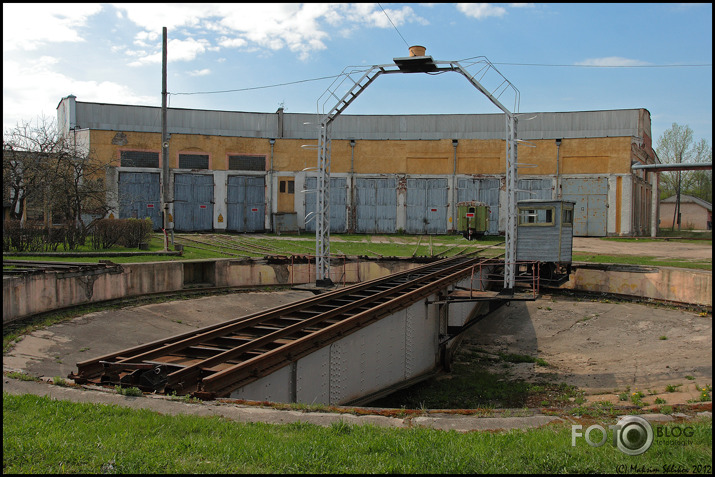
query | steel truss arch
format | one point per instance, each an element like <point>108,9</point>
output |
<point>417,64</point>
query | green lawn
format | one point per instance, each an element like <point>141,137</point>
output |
<point>41,435</point>
<point>210,246</point>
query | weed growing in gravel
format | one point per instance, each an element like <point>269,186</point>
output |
<point>128,391</point>
<point>637,398</point>
<point>21,376</point>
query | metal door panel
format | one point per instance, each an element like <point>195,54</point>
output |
<point>193,202</point>
<point>591,203</point>
<point>139,196</point>
<point>426,203</point>
<point>533,189</point>
<point>245,203</point>
<point>338,204</point>
<point>376,205</point>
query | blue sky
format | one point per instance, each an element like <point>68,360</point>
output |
<point>561,57</point>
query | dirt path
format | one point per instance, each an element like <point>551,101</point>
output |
<point>604,348</point>
<point>661,248</point>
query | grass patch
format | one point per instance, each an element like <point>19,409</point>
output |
<point>130,391</point>
<point>21,376</point>
<point>643,261</point>
<point>41,435</point>
<point>470,385</point>
<point>223,245</point>
<point>521,358</point>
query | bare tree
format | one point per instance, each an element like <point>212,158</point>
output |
<point>42,165</point>
<point>27,152</point>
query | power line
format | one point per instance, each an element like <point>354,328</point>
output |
<point>604,66</point>
<point>393,25</point>
<point>260,87</point>
<point>510,64</point>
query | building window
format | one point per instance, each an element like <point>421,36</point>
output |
<point>287,186</point>
<point>138,159</point>
<point>193,161</point>
<point>246,163</point>
<point>536,216</point>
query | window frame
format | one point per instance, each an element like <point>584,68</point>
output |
<point>521,215</point>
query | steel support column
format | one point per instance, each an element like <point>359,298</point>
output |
<point>510,230</point>
<point>322,227</point>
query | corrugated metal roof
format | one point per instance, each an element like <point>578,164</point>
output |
<point>688,198</point>
<point>543,125</point>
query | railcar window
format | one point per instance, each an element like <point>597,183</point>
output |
<point>543,216</point>
<point>567,217</point>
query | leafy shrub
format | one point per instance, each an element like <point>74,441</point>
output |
<point>136,231</point>
<point>107,232</point>
<point>125,232</point>
<point>35,237</point>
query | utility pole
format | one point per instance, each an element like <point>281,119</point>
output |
<point>164,145</point>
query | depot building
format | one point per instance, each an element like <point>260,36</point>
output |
<point>239,171</point>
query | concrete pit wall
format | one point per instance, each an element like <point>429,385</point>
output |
<point>671,284</point>
<point>27,295</point>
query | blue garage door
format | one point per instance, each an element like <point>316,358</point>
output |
<point>139,197</point>
<point>246,204</point>
<point>426,203</point>
<point>338,203</point>
<point>376,205</point>
<point>193,202</point>
<point>534,189</point>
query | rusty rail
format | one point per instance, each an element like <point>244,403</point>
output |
<point>215,360</point>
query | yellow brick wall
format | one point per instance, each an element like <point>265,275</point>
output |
<point>433,157</point>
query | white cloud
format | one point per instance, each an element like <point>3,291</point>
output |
<point>177,50</point>
<point>53,22</point>
<point>612,61</point>
<point>301,28</point>
<point>373,16</point>
<point>202,72</point>
<point>232,42</point>
<point>481,10</point>
<point>36,91</point>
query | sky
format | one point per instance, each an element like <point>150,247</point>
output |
<point>259,57</point>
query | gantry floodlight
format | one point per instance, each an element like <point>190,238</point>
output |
<point>411,64</point>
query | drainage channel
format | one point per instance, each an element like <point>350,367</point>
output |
<point>213,361</point>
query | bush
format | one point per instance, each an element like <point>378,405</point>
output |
<point>107,233</point>
<point>125,232</point>
<point>34,237</point>
<point>136,231</point>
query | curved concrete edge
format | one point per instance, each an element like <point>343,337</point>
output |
<point>243,413</point>
<point>468,423</point>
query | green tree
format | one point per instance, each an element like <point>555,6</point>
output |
<point>677,145</point>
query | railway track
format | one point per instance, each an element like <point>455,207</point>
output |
<point>213,361</point>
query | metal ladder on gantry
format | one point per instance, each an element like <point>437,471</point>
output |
<point>412,64</point>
